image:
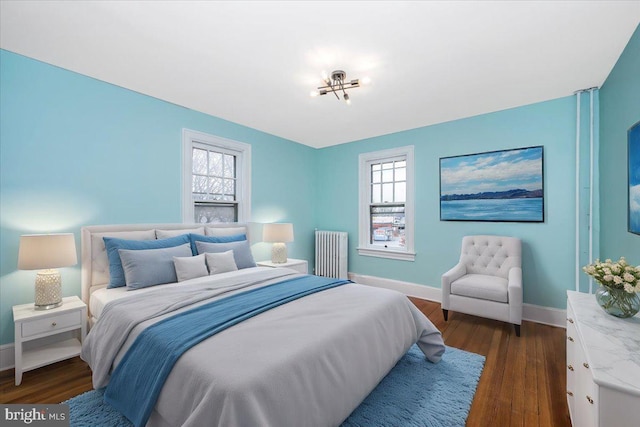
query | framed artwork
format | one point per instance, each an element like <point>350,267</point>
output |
<point>634,178</point>
<point>505,186</point>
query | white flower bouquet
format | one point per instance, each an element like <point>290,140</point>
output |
<point>619,293</point>
<point>615,275</point>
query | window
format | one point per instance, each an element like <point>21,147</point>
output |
<point>216,179</point>
<point>386,204</point>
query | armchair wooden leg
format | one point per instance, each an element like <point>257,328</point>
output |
<point>446,314</point>
<point>517,330</point>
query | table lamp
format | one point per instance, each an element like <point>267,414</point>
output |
<point>46,252</point>
<point>279,235</point>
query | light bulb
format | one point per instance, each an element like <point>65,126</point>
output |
<point>314,93</point>
<point>347,99</point>
<point>365,80</point>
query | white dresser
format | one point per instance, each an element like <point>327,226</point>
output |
<point>603,365</point>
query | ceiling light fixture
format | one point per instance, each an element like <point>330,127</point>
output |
<point>337,83</point>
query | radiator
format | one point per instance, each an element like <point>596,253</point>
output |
<point>331,254</point>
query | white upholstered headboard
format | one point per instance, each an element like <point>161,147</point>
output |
<point>95,264</point>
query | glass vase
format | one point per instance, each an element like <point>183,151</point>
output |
<point>618,302</point>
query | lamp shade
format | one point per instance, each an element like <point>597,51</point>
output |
<point>278,233</point>
<point>45,251</point>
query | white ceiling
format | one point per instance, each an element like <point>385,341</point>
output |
<point>254,63</point>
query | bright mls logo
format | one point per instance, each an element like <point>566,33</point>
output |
<point>37,415</point>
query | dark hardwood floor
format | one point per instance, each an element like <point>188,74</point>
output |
<point>523,382</point>
<point>524,379</point>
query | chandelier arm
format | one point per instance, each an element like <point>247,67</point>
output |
<point>333,89</point>
<point>328,89</point>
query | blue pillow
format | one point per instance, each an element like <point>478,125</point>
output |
<point>112,244</point>
<point>150,267</point>
<point>213,239</point>
<point>241,251</point>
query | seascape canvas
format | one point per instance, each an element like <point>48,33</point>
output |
<point>502,185</point>
<point>634,178</point>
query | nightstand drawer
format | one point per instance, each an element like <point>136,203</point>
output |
<point>51,324</point>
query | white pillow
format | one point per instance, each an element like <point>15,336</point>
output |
<point>163,234</point>
<point>220,262</point>
<point>190,267</point>
<point>224,231</point>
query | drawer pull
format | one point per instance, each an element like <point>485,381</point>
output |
<point>586,365</point>
<point>569,393</point>
<point>570,367</point>
<point>590,400</point>
<point>570,339</point>
<point>54,324</point>
<point>570,320</point>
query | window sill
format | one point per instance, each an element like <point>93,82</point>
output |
<point>386,253</point>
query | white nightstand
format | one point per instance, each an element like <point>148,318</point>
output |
<point>300,265</point>
<point>46,336</point>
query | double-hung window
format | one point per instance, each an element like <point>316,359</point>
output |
<point>386,204</point>
<point>216,179</point>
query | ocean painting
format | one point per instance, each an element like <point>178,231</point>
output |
<point>494,186</point>
<point>634,178</point>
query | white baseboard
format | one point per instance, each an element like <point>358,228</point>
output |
<point>534,313</point>
<point>545,315</point>
<point>411,289</point>
<point>7,356</point>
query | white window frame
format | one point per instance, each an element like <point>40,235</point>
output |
<point>241,150</point>
<point>364,244</point>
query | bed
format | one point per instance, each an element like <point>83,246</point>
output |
<point>309,362</point>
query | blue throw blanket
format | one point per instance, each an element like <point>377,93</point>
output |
<point>136,382</point>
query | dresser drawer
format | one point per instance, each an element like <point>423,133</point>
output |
<point>51,324</point>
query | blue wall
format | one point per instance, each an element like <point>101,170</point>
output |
<point>620,109</point>
<point>77,151</point>
<point>548,248</point>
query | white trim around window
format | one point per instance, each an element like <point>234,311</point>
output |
<point>241,150</point>
<point>365,246</point>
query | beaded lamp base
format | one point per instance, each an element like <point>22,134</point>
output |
<point>48,290</point>
<point>279,253</point>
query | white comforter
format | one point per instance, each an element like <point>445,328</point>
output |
<point>310,362</point>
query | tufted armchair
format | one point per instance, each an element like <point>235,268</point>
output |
<point>487,281</point>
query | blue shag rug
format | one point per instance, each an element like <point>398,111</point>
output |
<point>416,393</point>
